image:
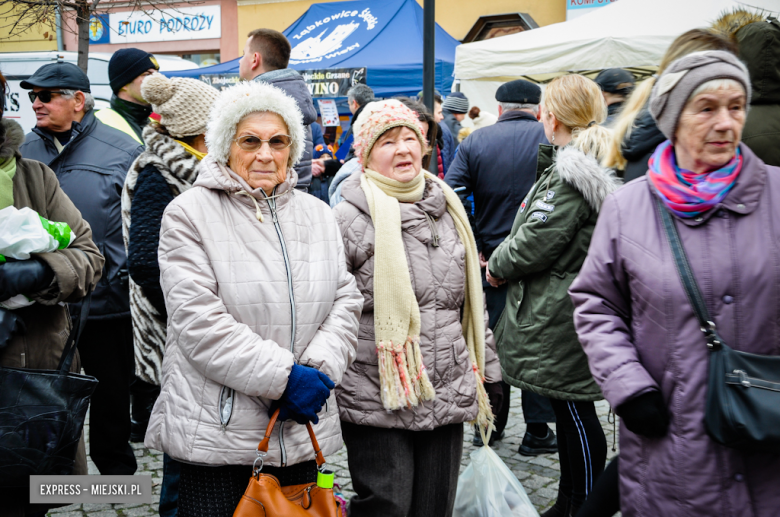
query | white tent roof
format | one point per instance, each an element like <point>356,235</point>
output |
<point>627,33</point>
<point>624,34</point>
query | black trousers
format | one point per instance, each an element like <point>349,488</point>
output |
<point>106,351</point>
<point>582,448</point>
<point>536,408</point>
<point>604,501</point>
<point>400,473</point>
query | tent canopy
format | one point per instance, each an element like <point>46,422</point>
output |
<point>385,37</point>
<point>631,34</point>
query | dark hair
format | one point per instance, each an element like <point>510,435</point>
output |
<point>423,115</point>
<point>474,112</point>
<point>273,46</point>
<point>361,93</point>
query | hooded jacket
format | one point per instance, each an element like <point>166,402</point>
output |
<point>293,85</point>
<point>91,170</point>
<point>437,262</point>
<point>77,269</point>
<point>537,344</point>
<point>246,298</point>
<point>641,334</point>
<point>639,146</point>
<point>759,48</point>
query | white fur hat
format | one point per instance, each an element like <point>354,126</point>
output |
<point>236,102</point>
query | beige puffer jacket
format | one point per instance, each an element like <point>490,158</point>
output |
<point>240,295</point>
<point>437,260</point>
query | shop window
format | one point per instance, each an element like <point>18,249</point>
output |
<point>203,60</point>
<point>493,26</point>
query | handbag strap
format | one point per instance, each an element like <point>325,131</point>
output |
<point>262,449</point>
<point>685,273</point>
<point>69,352</point>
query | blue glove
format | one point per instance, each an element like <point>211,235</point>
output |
<point>307,391</point>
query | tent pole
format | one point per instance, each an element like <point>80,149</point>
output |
<point>429,45</point>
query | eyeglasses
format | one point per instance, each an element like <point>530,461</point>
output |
<point>252,143</point>
<point>44,95</point>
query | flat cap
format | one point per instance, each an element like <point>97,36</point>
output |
<point>58,75</point>
<point>616,80</point>
<point>519,91</point>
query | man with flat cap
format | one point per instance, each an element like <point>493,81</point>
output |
<point>498,165</point>
<point>91,161</point>
<point>129,112</point>
<point>616,84</point>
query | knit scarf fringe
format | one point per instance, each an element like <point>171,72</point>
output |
<point>403,378</point>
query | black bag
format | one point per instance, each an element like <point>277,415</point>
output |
<point>743,389</point>
<point>42,415</point>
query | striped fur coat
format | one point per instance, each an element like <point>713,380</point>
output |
<point>144,198</point>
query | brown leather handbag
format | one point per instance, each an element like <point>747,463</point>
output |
<point>264,497</point>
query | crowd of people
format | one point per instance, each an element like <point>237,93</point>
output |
<point>240,271</point>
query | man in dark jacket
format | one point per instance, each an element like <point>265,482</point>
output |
<point>498,165</point>
<point>129,111</point>
<point>616,85</point>
<point>91,161</point>
<point>265,59</point>
<point>454,110</point>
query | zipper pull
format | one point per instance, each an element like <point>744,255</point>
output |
<point>273,214</point>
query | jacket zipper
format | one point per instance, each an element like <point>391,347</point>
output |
<point>272,206</point>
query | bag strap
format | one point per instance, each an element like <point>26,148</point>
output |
<point>685,273</point>
<point>69,352</point>
<point>262,449</point>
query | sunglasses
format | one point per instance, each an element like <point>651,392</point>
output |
<point>252,143</point>
<point>44,95</point>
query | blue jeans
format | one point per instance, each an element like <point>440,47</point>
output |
<point>169,495</point>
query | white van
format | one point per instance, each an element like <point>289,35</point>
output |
<point>18,66</point>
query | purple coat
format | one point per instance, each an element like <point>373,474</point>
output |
<point>640,334</point>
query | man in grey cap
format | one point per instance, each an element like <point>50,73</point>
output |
<point>498,165</point>
<point>91,161</point>
<point>454,110</point>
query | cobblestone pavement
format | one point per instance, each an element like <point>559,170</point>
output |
<point>539,475</point>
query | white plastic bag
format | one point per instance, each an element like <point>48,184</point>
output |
<point>22,232</point>
<point>487,488</point>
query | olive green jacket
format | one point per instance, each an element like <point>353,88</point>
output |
<point>537,345</point>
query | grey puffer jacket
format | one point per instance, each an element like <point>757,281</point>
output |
<point>245,299</point>
<point>437,260</point>
<point>293,85</point>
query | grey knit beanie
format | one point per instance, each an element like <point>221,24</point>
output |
<point>183,104</point>
<point>675,86</point>
<point>456,102</point>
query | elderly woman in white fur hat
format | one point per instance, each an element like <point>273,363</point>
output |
<point>425,363</point>
<point>262,312</point>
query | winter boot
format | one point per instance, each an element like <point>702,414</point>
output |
<point>560,508</point>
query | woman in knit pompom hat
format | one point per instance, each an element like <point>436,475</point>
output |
<point>167,167</point>
<point>262,313</point>
<point>422,361</point>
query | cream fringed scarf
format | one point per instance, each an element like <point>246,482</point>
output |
<point>403,377</point>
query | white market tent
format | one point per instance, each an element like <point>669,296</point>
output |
<point>631,34</point>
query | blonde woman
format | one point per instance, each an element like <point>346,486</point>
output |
<point>538,346</point>
<point>635,135</point>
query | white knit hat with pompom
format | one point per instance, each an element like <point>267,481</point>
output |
<point>183,104</point>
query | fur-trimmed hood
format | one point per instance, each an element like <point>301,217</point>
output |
<point>585,174</point>
<point>236,102</point>
<point>12,137</point>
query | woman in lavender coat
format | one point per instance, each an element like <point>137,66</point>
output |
<point>641,336</point>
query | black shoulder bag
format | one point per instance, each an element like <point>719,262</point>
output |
<point>42,415</point>
<point>743,389</point>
